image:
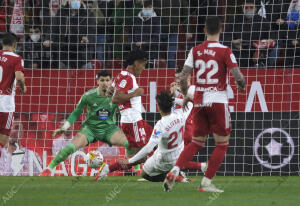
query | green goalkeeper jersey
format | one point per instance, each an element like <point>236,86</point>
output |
<point>100,113</point>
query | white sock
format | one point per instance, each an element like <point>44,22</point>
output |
<point>205,181</point>
<point>175,170</point>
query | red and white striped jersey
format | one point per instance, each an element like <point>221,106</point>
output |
<point>131,111</point>
<point>9,64</point>
<point>212,62</point>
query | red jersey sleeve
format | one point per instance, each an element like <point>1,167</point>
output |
<point>124,83</point>
<point>19,64</point>
<point>230,60</point>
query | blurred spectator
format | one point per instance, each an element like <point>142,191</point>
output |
<point>196,9</point>
<point>174,14</point>
<point>102,10</point>
<point>122,17</point>
<point>243,31</point>
<point>145,32</point>
<point>289,36</point>
<point>73,36</point>
<point>14,160</point>
<point>34,54</point>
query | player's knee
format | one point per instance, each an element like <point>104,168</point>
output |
<point>80,140</point>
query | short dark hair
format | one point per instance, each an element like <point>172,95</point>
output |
<point>147,4</point>
<point>135,55</point>
<point>8,39</point>
<point>103,73</point>
<point>213,25</point>
<point>178,70</point>
<point>165,101</point>
<point>250,2</point>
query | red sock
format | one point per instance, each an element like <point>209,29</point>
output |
<point>216,159</point>
<point>118,166</point>
<point>193,165</point>
<point>188,153</point>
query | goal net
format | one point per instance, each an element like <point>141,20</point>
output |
<point>64,45</point>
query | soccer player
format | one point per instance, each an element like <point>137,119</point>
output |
<point>212,61</point>
<point>11,73</point>
<point>128,96</point>
<point>100,123</point>
<point>167,135</point>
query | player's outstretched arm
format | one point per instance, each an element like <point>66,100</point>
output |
<point>21,81</point>
<point>73,117</point>
<point>184,79</point>
<point>120,97</point>
<point>144,151</point>
<point>239,78</point>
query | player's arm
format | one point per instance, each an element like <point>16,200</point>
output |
<point>239,78</point>
<point>73,116</point>
<point>21,81</point>
<point>187,70</point>
<point>120,97</point>
<point>153,141</point>
<point>232,65</point>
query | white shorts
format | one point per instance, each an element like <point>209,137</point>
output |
<point>158,163</point>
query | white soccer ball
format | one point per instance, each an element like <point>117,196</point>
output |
<point>94,159</point>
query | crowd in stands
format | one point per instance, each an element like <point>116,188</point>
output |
<point>99,33</point>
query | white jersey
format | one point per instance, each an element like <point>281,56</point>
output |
<point>131,111</point>
<point>168,135</point>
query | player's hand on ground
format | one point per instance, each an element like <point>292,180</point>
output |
<point>58,131</point>
<point>138,92</point>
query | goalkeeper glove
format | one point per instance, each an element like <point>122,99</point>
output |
<point>62,130</point>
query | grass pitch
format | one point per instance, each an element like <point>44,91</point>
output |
<point>82,191</point>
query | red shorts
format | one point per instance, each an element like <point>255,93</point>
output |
<point>212,119</point>
<point>6,120</point>
<point>137,133</point>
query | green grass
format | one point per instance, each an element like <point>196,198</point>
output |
<point>82,191</point>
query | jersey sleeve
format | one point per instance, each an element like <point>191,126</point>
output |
<point>230,60</point>
<point>124,84</point>
<point>153,141</point>
<point>78,110</point>
<point>190,59</point>
<point>19,65</point>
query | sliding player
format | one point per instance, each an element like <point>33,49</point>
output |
<point>212,62</point>
<point>100,123</point>
<point>168,135</point>
<point>11,73</point>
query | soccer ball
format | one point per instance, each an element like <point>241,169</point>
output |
<point>94,159</point>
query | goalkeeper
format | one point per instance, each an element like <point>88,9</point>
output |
<point>100,123</point>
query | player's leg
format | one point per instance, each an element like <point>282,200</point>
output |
<point>201,130</point>
<point>220,126</point>
<point>6,120</point>
<point>3,140</point>
<point>79,141</point>
<point>118,138</point>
